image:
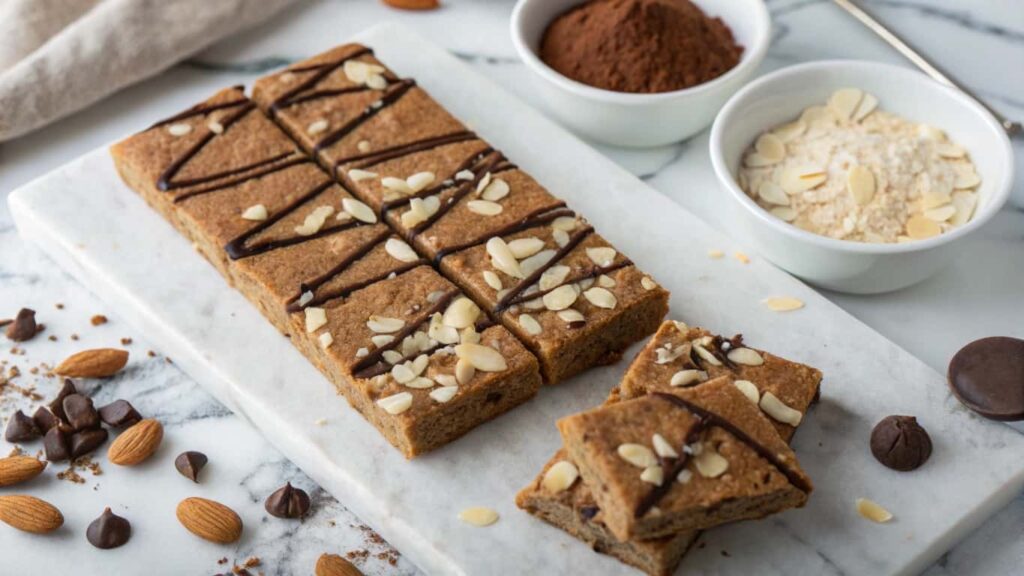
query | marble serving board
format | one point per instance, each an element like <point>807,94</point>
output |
<point>98,230</point>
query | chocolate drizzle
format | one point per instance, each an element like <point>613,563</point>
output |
<point>485,165</point>
<point>369,159</point>
<point>577,236</point>
<point>706,419</point>
<point>470,162</point>
<point>200,109</point>
<point>391,95</point>
<point>371,365</point>
<point>536,218</point>
<point>241,179</point>
<point>323,69</point>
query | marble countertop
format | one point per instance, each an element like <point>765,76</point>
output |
<point>978,295</point>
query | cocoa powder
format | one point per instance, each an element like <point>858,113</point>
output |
<point>639,45</point>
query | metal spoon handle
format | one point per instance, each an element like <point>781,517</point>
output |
<point>921,62</point>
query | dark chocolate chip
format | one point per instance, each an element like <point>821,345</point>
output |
<point>20,428</point>
<point>288,502</point>
<point>987,375</point>
<point>24,326</point>
<point>57,405</point>
<point>108,531</point>
<point>189,464</point>
<point>119,414</point>
<point>900,443</point>
<point>44,419</point>
<point>86,441</point>
<point>81,414</point>
<point>588,512</point>
<point>55,443</point>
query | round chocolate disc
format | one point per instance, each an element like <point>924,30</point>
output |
<point>987,375</point>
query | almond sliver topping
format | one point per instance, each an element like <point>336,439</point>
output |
<point>397,403</point>
<point>637,454</point>
<point>256,212</point>
<point>560,477</point>
<point>483,358</point>
<point>383,324</point>
<point>400,251</point>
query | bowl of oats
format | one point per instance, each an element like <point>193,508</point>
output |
<point>857,176</point>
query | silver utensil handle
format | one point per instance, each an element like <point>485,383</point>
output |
<point>921,62</point>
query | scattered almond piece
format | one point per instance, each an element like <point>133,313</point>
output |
<point>873,511</point>
<point>479,516</point>
<point>783,304</point>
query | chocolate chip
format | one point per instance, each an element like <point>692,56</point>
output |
<point>24,326</point>
<point>45,419</point>
<point>55,443</point>
<point>86,441</point>
<point>189,464</point>
<point>900,443</point>
<point>108,531</point>
<point>119,414</point>
<point>288,502</point>
<point>57,405</point>
<point>81,414</point>
<point>20,428</point>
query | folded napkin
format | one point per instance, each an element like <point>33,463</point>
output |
<point>58,56</point>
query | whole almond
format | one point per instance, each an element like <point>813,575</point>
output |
<point>30,514</point>
<point>209,520</point>
<point>95,363</point>
<point>334,565</point>
<point>413,4</point>
<point>137,443</point>
<point>18,469</point>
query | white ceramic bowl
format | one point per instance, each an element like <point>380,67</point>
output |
<point>846,266</point>
<point>639,120</point>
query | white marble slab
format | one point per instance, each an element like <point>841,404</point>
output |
<point>108,239</point>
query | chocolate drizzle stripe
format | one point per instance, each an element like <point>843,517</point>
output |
<point>323,69</point>
<point>593,272</point>
<point>706,418</point>
<point>241,179</point>
<point>574,240</point>
<point>384,154</point>
<point>198,110</point>
<point>237,248</point>
<point>366,363</point>
<point>312,285</point>
<point>536,218</point>
<point>345,291</point>
<point>485,166</point>
<point>465,165</point>
<point>390,96</point>
<point>326,93</point>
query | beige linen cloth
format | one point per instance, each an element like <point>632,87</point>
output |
<point>58,56</point>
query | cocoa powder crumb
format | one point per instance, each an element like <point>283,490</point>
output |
<point>98,320</point>
<point>74,337</point>
<point>59,306</point>
<point>126,341</point>
<point>641,46</point>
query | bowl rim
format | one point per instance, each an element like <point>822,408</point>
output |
<point>751,58</point>
<point>1001,145</point>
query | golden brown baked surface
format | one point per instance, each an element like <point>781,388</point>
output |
<point>460,202</point>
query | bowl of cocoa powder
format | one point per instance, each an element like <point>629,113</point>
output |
<point>639,73</point>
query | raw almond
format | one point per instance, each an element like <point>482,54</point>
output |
<point>95,363</point>
<point>334,565</point>
<point>136,444</point>
<point>18,469</point>
<point>210,520</point>
<point>30,514</point>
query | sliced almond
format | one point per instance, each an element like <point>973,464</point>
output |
<point>964,203</point>
<point>533,263</point>
<point>749,390</point>
<point>464,371</point>
<point>398,185</point>
<point>706,354</point>
<point>873,511</point>
<point>326,340</point>
<point>662,447</point>
<point>779,411</point>
<point>400,251</point>
<point>560,476</point>
<point>571,316</point>
<point>464,175</point>
<point>561,237</point>
<point>483,358</point>
<point>525,247</point>
<point>359,210</point>
<point>564,223</point>
<point>444,393</point>
<point>844,102</point>
<point>357,175</point>
<point>530,324</point>
<point>755,160</point>
<point>317,127</point>
<point>478,516</point>
<point>503,259</point>
<point>396,403</point>
<point>709,463</point>
<point>495,190</point>
<point>648,283</point>
<point>931,200</point>
<point>784,213</point>
<point>637,454</point>
<point>606,281</point>
<point>314,221</point>
<point>940,214</point>
<point>860,183</point>
<point>791,131</point>
<point>653,475</point>
<point>772,193</point>
<point>601,297</point>
<point>553,277</point>
<point>966,180</point>
<point>316,318</point>
<point>687,378</point>
<point>256,212</point>
<point>461,313</point>
<point>745,356</point>
<point>402,373</point>
<point>384,325</point>
<point>796,179</point>
<point>919,227</point>
<point>484,207</point>
<point>950,150</point>
<point>770,147</point>
<point>783,304</point>
<point>179,129</point>
<point>602,256</point>
<point>560,298</point>
<point>867,105</point>
<point>419,181</point>
<point>492,280</point>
